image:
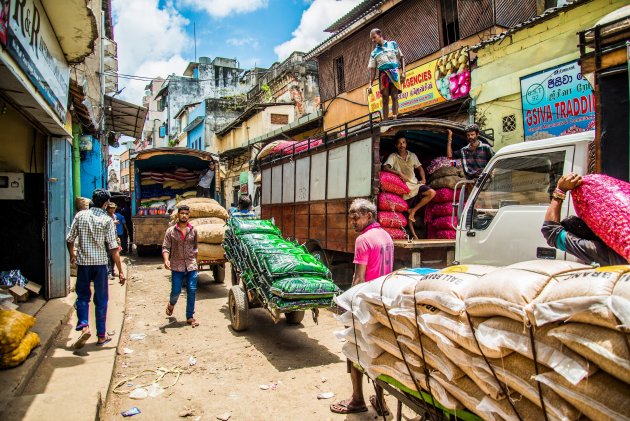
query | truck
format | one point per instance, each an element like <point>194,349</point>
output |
<point>149,229</point>
<point>498,218</point>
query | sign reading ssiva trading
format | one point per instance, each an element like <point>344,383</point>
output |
<point>32,42</point>
<point>440,80</point>
<point>556,102</point>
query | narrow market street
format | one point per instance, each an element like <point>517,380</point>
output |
<point>296,362</point>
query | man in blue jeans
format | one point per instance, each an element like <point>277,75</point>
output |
<point>179,251</point>
<point>96,233</point>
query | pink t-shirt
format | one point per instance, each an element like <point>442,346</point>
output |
<point>375,249</point>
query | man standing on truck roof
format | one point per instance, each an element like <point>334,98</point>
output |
<point>373,258</point>
<point>405,164</point>
<point>474,156</point>
<point>179,251</point>
<point>207,183</point>
<point>388,62</point>
<point>96,233</point>
<point>572,234</point>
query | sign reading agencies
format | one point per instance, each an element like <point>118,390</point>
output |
<point>556,102</point>
<point>32,42</point>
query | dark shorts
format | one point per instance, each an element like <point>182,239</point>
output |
<point>417,198</point>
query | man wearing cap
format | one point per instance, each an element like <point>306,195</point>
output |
<point>96,234</point>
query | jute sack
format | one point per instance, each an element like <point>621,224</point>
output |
<point>192,200</point>
<point>518,372</point>
<point>597,296</point>
<point>504,333</point>
<point>506,291</point>
<point>600,397</point>
<point>526,409</point>
<point>385,338</point>
<point>468,393</point>
<point>210,234</point>
<point>204,221</point>
<point>607,348</point>
<point>430,386</point>
<point>433,356</point>
<point>210,252</point>
<point>444,289</point>
<point>201,207</point>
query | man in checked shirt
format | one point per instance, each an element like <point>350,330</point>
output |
<point>96,233</point>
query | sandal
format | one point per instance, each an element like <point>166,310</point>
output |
<point>80,343</point>
<point>343,407</point>
<point>106,341</point>
<point>192,322</point>
<point>377,406</point>
<point>169,309</point>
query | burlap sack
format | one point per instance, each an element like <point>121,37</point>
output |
<point>81,203</point>
<point>448,182</point>
<point>607,348</point>
<point>433,356</point>
<point>385,338</point>
<point>600,397</point>
<point>192,200</point>
<point>203,221</point>
<point>210,252</point>
<point>210,234</point>
<point>501,332</point>
<point>597,296</point>
<point>468,393</point>
<point>506,291</point>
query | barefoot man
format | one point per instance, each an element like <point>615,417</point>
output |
<point>388,62</point>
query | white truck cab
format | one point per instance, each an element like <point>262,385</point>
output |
<point>500,221</point>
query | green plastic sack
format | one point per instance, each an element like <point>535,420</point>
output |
<point>304,287</point>
<point>286,305</point>
<point>281,265</point>
<point>253,226</point>
<point>13,326</point>
<point>21,352</point>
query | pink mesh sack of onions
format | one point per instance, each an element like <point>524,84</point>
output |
<point>391,202</point>
<point>443,223</point>
<point>392,219</point>
<point>603,202</point>
<point>443,195</point>
<point>446,235</point>
<point>396,233</point>
<point>393,184</point>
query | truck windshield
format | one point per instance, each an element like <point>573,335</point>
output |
<point>522,180</point>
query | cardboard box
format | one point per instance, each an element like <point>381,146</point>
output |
<point>33,287</point>
<point>20,294</point>
<point>6,305</point>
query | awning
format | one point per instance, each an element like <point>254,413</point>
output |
<point>124,117</point>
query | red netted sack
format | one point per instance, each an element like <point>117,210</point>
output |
<point>444,195</point>
<point>396,233</point>
<point>393,184</point>
<point>603,202</point>
<point>284,145</point>
<point>442,223</point>
<point>391,202</point>
<point>446,235</point>
<point>442,209</point>
<point>392,219</point>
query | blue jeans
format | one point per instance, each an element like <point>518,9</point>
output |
<point>177,280</point>
<point>85,276</point>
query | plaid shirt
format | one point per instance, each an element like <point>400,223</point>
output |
<point>96,232</point>
<point>474,161</point>
<point>243,214</point>
<point>181,247</point>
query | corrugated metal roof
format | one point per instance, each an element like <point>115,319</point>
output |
<point>355,13</point>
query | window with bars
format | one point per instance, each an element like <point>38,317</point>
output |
<point>449,21</point>
<point>509,123</point>
<point>340,79</point>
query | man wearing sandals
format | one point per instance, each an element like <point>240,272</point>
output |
<point>179,251</point>
<point>96,233</point>
<point>373,258</point>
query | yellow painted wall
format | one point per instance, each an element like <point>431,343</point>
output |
<point>496,79</point>
<point>17,138</point>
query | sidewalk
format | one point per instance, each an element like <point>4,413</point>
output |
<point>62,383</point>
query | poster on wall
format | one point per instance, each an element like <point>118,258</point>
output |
<point>441,80</point>
<point>32,42</point>
<point>557,102</point>
<point>4,21</point>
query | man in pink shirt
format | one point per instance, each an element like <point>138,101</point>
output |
<point>373,258</point>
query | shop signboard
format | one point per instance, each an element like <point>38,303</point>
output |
<point>4,21</point>
<point>441,80</point>
<point>32,42</point>
<point>556,102</point>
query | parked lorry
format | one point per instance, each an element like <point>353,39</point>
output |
<point>309,193</point>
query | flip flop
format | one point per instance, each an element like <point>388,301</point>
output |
<point>192,322</point>
<point>343,407</point>
<point>80,343</point>
<point>377,407</point>
<point>169,309</point>
<point>106,341</point>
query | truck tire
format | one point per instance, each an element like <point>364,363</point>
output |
<point>238,306</point>
<point>294,317</point>
<point>218,273</point>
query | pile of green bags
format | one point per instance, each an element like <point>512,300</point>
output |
<point>286,276</point>
<point>16,342</point>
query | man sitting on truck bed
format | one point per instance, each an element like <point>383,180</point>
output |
<point>404,164</point>
<point>474,156</point>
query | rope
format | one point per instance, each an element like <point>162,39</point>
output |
<point>160,373</point>
<point>538,384</point>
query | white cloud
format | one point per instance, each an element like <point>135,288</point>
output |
<point>239,42</point>
<point>310,32</point>
<point>223,8</point>
<point>151,42</point>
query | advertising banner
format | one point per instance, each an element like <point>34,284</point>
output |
<point>437,81</point>
<point>556,102</point>
<point>4,21</point>
<point>32,42</point>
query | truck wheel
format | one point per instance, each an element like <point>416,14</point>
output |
<point>237,301</point>
<point>218,273</point>
<point>294,317</point>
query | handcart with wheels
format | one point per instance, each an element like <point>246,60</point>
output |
<point>217,267</point>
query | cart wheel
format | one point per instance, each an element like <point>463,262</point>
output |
<point>237,301</point>
<point>294,317</point>
<point>218,273</point>
<point>235,277</point>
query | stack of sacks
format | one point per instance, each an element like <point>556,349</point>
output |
<point>16,342</point>
<point>444,176</point>
<point>542,328</point>
<point>391,205</point>
<point>287,276</point>
<point>158,187</point>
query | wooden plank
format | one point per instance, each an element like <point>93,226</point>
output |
<point>318,209</point>
<point>416,259</point>
<point>288,221</point>
<point>301,209</point>
<point>336,221</point>
<point>424,244</point>
<point>301,221</point>
<point>337,207</point>
<point>265,212</point>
